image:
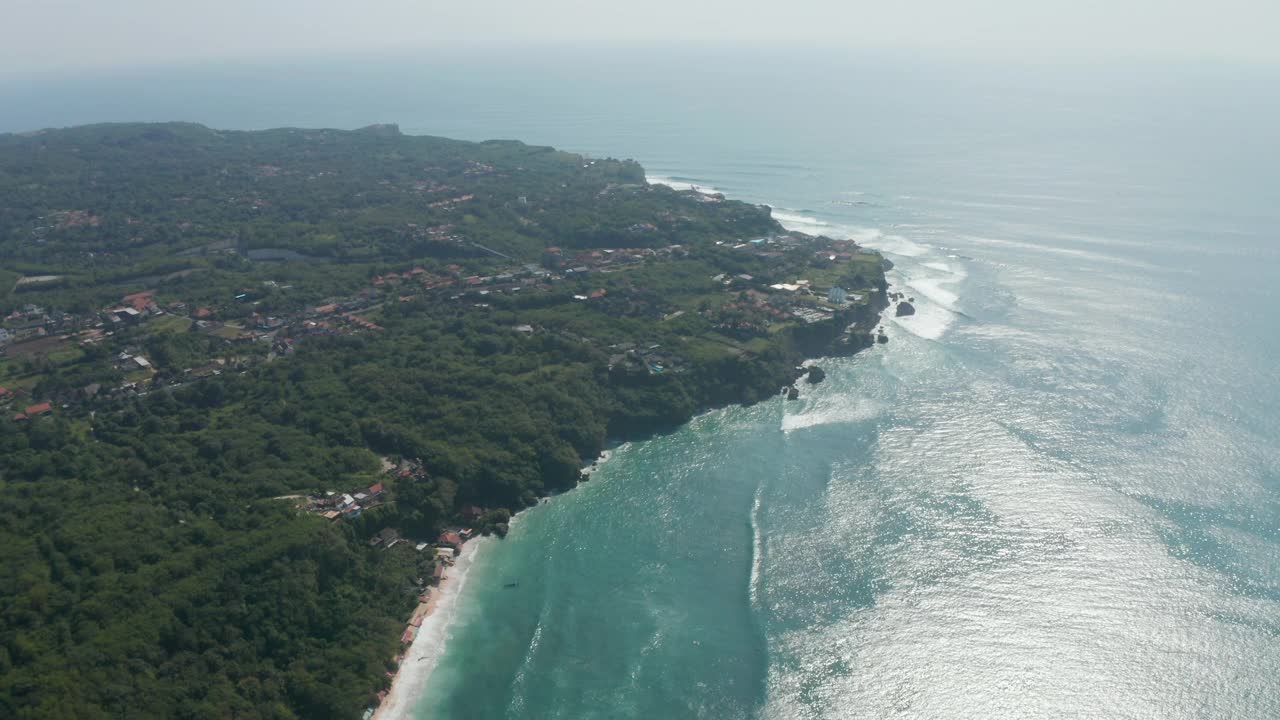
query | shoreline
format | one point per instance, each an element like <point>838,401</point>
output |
<point>437,615</point>
<point>434,618</point>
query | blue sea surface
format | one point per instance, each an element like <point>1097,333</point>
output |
<point>1055,492</point>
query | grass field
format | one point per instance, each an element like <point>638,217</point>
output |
<point>229,331</point>
<point>170,323</point>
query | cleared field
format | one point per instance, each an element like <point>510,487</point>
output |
<point>170,323</point>
<point>39,346</point>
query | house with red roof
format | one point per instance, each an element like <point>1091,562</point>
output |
<point>450,539</point>
<point>139,301</point>
<point>39,409</point>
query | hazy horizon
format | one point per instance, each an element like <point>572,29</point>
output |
<point>76,35</point>
<point>348,91</point>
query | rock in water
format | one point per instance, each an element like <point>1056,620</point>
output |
<point>793,393</point>
<point>882,338</point>
<point>905,308</point>
<point>816,375</point>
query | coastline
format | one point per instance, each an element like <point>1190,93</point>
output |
<point>436,617</point>
<point>440,611</point>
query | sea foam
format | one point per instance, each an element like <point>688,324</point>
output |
<point>828,410</point>
<point>681,184</point>
<point>936,307</point>
<point>757,546</point>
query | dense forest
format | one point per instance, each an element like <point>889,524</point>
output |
<point>201,326</point>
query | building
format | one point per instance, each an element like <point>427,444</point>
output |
<point>126,314</point>
<point>41,409</point>
<point>385,537</point>
<point>838,295</point>
<point>449,539</point>
<point>139,301</point>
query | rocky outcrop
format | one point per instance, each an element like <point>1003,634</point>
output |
<point>904,309</point>
<point>816,375</point>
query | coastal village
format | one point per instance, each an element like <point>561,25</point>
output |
<point>740,306</point>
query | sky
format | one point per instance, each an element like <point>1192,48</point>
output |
<point>42,35</point>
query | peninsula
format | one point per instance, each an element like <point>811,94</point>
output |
<point>257,387</point>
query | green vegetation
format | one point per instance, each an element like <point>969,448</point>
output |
<point>237,317</point>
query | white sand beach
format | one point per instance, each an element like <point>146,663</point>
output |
<point>423,654</point>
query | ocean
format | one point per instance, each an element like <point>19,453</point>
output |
<point>1054,493</point>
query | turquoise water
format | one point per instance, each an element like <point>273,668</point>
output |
<point>1055,493</point>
